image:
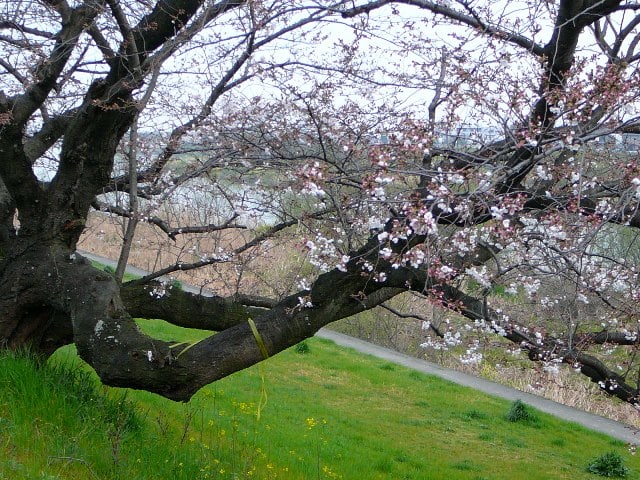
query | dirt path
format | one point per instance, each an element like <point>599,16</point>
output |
<point>594,422</point>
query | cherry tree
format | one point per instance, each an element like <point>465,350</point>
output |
<point>468,152</point>
<point>530,212</point>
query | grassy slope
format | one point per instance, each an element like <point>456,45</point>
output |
<point>329,413</point>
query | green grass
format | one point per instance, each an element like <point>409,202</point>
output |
<point>111,271</point>
<point>329,413</point>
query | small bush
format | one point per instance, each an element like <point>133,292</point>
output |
<point>608,465</point>
<point>302,348</point>
<point>521,413</point>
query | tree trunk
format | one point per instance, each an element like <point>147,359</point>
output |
<point>28,317</point>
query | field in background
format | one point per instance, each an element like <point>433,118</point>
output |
<point>324,413</point>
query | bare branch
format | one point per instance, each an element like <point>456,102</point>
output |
<point>12,25</point>
<point>445,11</point>
<point>423,319</point>
<point>172,232</point>
<point>48,71</point>
<point>217,259</point>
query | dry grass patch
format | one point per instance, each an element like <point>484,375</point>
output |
<point>269,269</point>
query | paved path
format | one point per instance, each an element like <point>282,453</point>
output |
<point>615,429</point>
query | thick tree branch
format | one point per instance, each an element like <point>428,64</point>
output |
<point>172,304</point>
<point>13,25</point>
<point>609,337</point>
<point>74,23</point>
<point>52,130</point>
<point>103,44</point>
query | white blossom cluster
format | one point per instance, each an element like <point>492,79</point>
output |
<point>472,356</point>
<point>323,254</point>
<point>552,366</point>
<point>305,302</point>
<point>161,288</point>
<point>450,339</point>
<point>480,275</point>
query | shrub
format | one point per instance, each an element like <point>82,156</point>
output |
<point>302,348</point>
<point>608,465</point>
<point>521,413</point>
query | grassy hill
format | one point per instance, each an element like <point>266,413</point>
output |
<point>316,411</point>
